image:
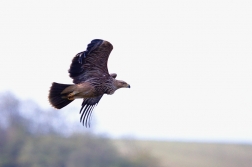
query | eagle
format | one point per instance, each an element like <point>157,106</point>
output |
<point>91,80</point>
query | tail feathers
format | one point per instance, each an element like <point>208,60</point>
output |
<point>56,98</point>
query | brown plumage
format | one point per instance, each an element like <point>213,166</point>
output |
<point>91,80</point>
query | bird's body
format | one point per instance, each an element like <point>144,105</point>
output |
<point>90,77</point>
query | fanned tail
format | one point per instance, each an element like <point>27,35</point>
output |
<point>56,98</point>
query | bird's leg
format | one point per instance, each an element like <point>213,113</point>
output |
<point>70,96</point>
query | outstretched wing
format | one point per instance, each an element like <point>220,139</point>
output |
<point>92,62</point>
<point>87,108</point>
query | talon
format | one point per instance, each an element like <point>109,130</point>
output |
<point>70,96</point>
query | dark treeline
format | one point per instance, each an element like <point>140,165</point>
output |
<point>35,139</point>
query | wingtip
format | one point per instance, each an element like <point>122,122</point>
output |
<point>95,43</point>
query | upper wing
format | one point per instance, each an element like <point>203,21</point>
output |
<point>87,108</point>
<point>92,62</point>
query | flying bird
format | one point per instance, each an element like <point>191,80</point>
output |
<point>91,80</point>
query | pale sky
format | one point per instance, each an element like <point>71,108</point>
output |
<point>189,63</point>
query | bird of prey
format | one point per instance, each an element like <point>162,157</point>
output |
<point>91,80</point>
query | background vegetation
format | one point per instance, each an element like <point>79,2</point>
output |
<point>191,154</point>
<point>33,137</point>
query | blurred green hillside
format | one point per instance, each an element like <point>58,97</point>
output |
<point>33,137</point>
<point>188,154</point>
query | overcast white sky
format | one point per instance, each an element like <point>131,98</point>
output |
<point>189,63</point>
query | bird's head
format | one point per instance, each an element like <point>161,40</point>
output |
<point>122,84</point>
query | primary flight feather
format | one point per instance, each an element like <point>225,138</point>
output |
<point>91,80</point>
